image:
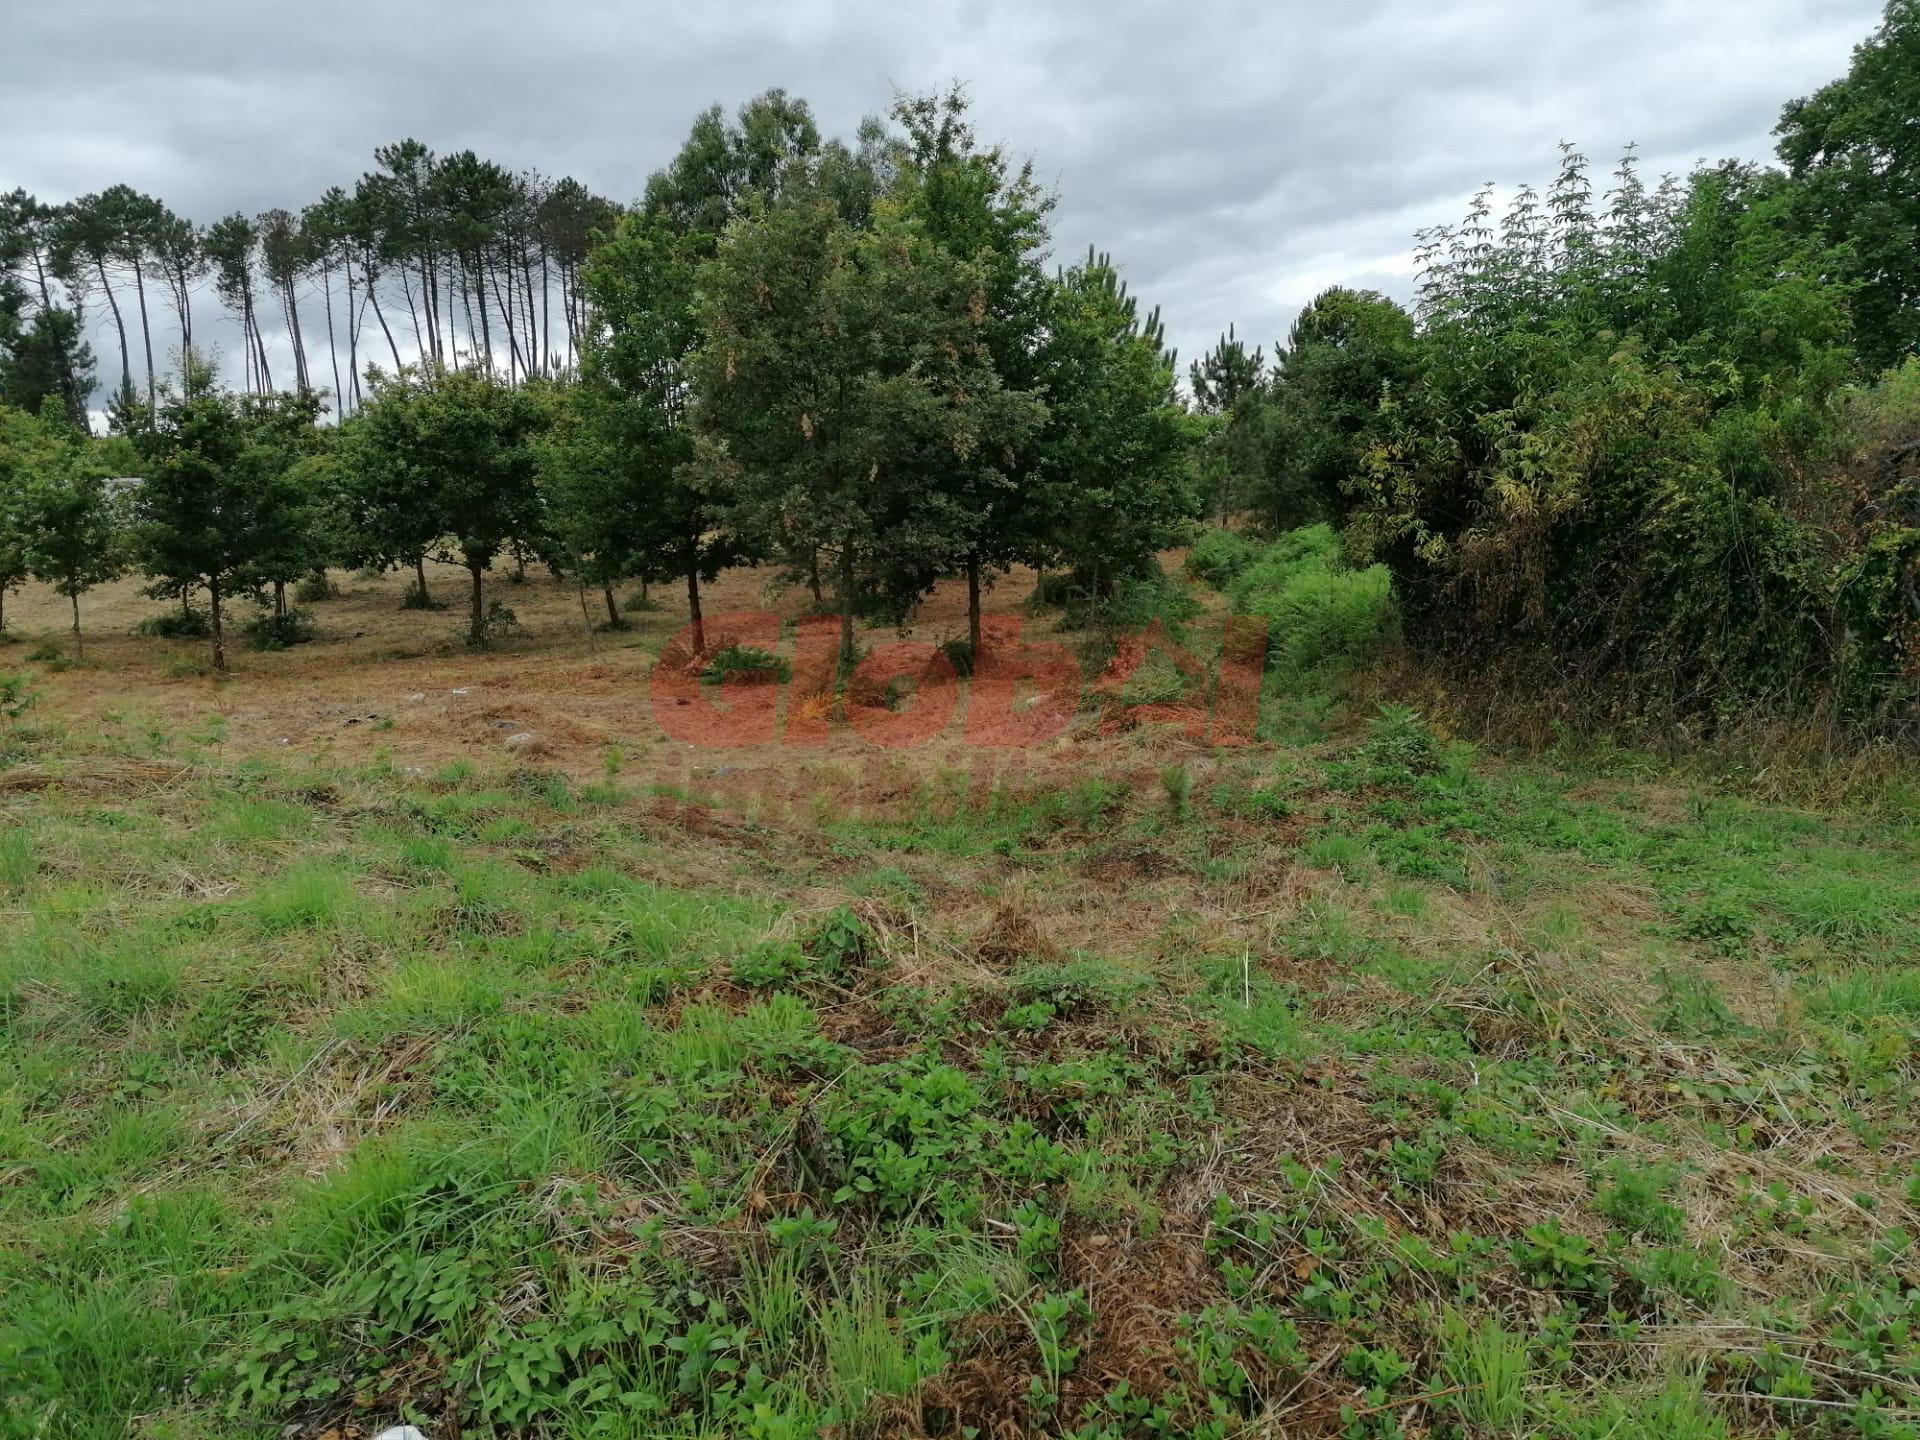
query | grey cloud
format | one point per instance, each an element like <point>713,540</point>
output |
<point>1233,157</point>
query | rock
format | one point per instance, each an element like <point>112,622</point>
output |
<point>416,697</point>
<point>458,690</point>
<point>525,740</point>
<point>402,1432</point>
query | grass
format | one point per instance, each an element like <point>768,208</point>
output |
<point>1366,1088</point>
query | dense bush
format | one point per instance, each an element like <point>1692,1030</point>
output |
<point>1218,556</point>
<point>180,624</point>
<point>268,631</point>
<point>1615,458</point>
<point>1323,617</point>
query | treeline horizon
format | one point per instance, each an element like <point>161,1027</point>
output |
<point>1656,440</point>
<point>451,258</point>
<point>796,350</point>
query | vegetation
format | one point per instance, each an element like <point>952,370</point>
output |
<point>1312,1074</point>
<point>1542,1101</point>
<point>1652,447</point>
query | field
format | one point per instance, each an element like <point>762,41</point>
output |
<point>357,1064</point>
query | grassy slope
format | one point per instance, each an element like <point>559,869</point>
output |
<point>1302,1093</point>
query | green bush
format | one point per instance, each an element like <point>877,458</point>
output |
<point>175,625</point>
<point>749,662</point>
<point>1218,557</point>
<point>1322,618</point>
<point>268,631</point>
<point>316,587</point>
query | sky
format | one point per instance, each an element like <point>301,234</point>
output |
<point>1235,159</point>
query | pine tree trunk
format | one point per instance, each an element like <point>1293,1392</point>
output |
<point>279,599</point>
<point>259,345</point>
<point>303,377</point>
<point>613,610</point>
<point>693,609</point>
<point>480,294</point>
<point>813,574</point>
<point>420,578</point>
<point>76,402</point>
<point>353,333</point>
<point>146,333</point>
<point>380,315</point>
<point>333,348</point>
<point>120,325</point>
<point>505,302</point>
<point>413,315</point>
<point>79,643</point>
<point>546,312</point>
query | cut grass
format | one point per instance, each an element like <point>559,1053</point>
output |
<point>1343,1093</point>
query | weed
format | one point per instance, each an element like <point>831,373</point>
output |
<point>745,662</point>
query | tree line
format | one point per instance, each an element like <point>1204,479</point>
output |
<point>847,359</point>
<point>1658,439</point>
<point>452,258</point>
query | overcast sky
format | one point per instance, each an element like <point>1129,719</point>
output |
<point>1234,158</point>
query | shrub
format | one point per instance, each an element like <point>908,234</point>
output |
<point>175,625</point>
<point>268,631</point>
<point>1321,616</point>
<point>17,695</point>
<point>1218,557</point>
<point>501,619</point>
<point>316,587</point>
<point>745,662</point>
<point>1400,743</point>
<point>959,654</point>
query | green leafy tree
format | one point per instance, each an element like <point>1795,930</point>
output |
<point>91,233</point>
<point>1347,351</point>
<point>1226,374</point>
<point>723,166</point>
<point>41,350</point>
<point>46,358</point>
<point>74,521</point>
<point>298,499</point>
<point>1851,148</point>
<point>838,364</point>
<point>1600,462</point>
<point>204,513</point>
<point>439,464</point>
<point>974,203</point>
<point>22,451</point>
<point>631,498</point>
<point>1229,391</point>
<point>391,495</point>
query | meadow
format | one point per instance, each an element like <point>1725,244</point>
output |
<point>1351,1082</point>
